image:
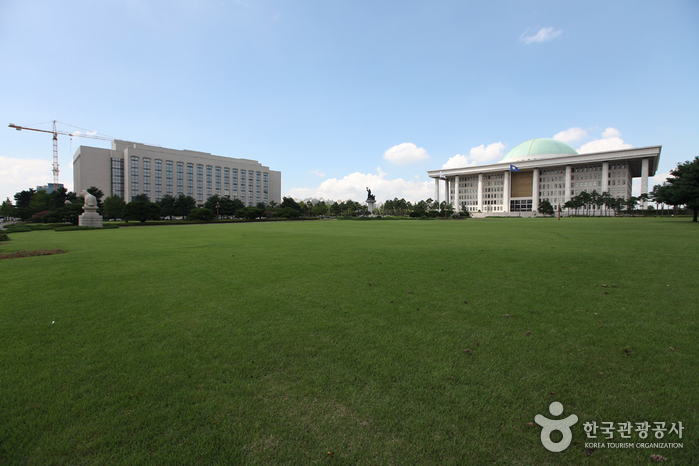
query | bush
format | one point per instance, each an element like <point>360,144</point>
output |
<point>288,212</point>
<point>17,228</point>
<point>202,213</point>
<point>249,213</point>
<point>3,236</point>
<point>37,217</point>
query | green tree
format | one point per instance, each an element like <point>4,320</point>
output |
<point>681,187</point>
<point>607,201</point>
<point>631,204</point>
<point>211,203</point>
<point>250,213</point>
<point>113,207</point>
<point>287,212</point>
<point>545,208</point>
<point>229,206</point>
<point>23,199</point>
<point>141,209</point>
<point>319,209</point>
<point>57,198</point>
<point>41,201</point>
<point>7,209</point>
<point>289,202</point>
<point>167,206</point>
<point>184,205</point>
<point>335,209</point>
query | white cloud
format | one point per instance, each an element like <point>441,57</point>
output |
<point>570,135</point>
<point>316,173</point>
<point>543,35</point>
<point>611,140</point>
<point>353,186</point>
<point>459,161</point>
<point>611,132</point>
<point>405,153</point>
<point>476,155</point>
<point>20,174</point>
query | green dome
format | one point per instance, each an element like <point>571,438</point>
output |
<point>539,148</point>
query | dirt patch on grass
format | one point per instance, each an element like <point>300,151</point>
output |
<point>40,252</point>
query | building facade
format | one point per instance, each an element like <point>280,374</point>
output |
<point>129,169</point>
<point>544,169</point>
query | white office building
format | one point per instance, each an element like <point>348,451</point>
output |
<point>544,169</point>
<point>129,169</point>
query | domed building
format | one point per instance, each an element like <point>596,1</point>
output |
<point>544,169</point>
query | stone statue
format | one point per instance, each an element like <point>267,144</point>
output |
<point>90,200</point>
<point>90,217</point>
<point>370,197</point>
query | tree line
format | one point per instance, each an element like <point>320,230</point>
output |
<point>61,206</point>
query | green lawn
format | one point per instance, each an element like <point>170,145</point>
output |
<point>344,342</point>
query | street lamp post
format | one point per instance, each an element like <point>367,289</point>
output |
<point>217,215</point>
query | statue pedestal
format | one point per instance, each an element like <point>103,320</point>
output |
<point>370,203</point>
<point>90,218</point>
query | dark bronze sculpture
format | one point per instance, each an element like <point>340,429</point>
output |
<point>370,197</point>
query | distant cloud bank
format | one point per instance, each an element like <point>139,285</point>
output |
<point>353,186</point>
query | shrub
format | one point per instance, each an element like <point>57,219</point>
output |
<point>17,228</point>
<point>3,236</point>
<point>288,212</point>
<point>202,213</point>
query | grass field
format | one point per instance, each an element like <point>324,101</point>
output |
<point>345,342</point>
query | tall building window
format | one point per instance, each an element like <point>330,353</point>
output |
<point>264,186</point>
<point>258,187</point>
<point>118,177</point>
<point>168,177</point>
<point>180,178</point>
<point>134,177</point>
<point>208,181</point>
<point>146,176</point>
<point>190,179</point>
<point>226,181</point>
<point>234,186</point>
<point>158,180</point>
<point>243,189</point>
<point>200,183</point>
<point>250,186</point>
<point>218,180</point>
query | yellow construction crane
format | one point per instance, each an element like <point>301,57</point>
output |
<point>55,141</point>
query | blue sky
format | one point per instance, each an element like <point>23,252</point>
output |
<point>340,95</point>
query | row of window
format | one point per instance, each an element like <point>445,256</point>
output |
<point>253,185</point>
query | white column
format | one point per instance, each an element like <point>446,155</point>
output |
<point>644,179</point>
<point>506,193</point>
<point>568,185</point>
<point>535,190</point>
<point>644,176</point>
<point>436,190</point>
<point>457,201</point>
<point>605,177</point>
<point>480,192</point>
<point>447,191</point>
